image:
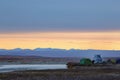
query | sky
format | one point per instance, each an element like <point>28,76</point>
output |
<point>79,24</point>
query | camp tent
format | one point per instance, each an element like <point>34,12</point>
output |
<point>111,61</point>
<point>85,61</point>
<point>97,59</point>
<point>118,61</point>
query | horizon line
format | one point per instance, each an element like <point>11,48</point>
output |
<point>59,49</point>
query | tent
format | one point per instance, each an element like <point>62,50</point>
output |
<point>85,61</point>
<point>111,61</point>
<point>97,59</point>
<point>118,61</point>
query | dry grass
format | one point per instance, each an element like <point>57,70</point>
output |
<point>73,74</point>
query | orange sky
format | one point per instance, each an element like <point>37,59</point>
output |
<point>64,40</point>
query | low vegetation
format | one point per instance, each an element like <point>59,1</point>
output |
<point>69,74</point>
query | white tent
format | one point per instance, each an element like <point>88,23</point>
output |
<point>97,59</point>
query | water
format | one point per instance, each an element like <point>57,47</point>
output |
<point>10,68</point>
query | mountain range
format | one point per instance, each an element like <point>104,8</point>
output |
<point>50,52</point>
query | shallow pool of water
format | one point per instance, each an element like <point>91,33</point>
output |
<point>18,67</point>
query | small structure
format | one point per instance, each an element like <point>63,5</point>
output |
<point>118,61</point>
<point>97,59</point>
<point>85,61</point>
<point>111,61</point>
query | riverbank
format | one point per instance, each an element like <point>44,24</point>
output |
<point>63,74</point>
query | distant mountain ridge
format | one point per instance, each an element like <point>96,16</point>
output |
<point>50,52</point>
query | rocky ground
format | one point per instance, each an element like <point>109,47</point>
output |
<point>66,74</point>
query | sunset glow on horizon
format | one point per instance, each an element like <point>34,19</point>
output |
<point>62,40</point>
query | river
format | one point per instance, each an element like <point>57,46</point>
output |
<point>20,67</point>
